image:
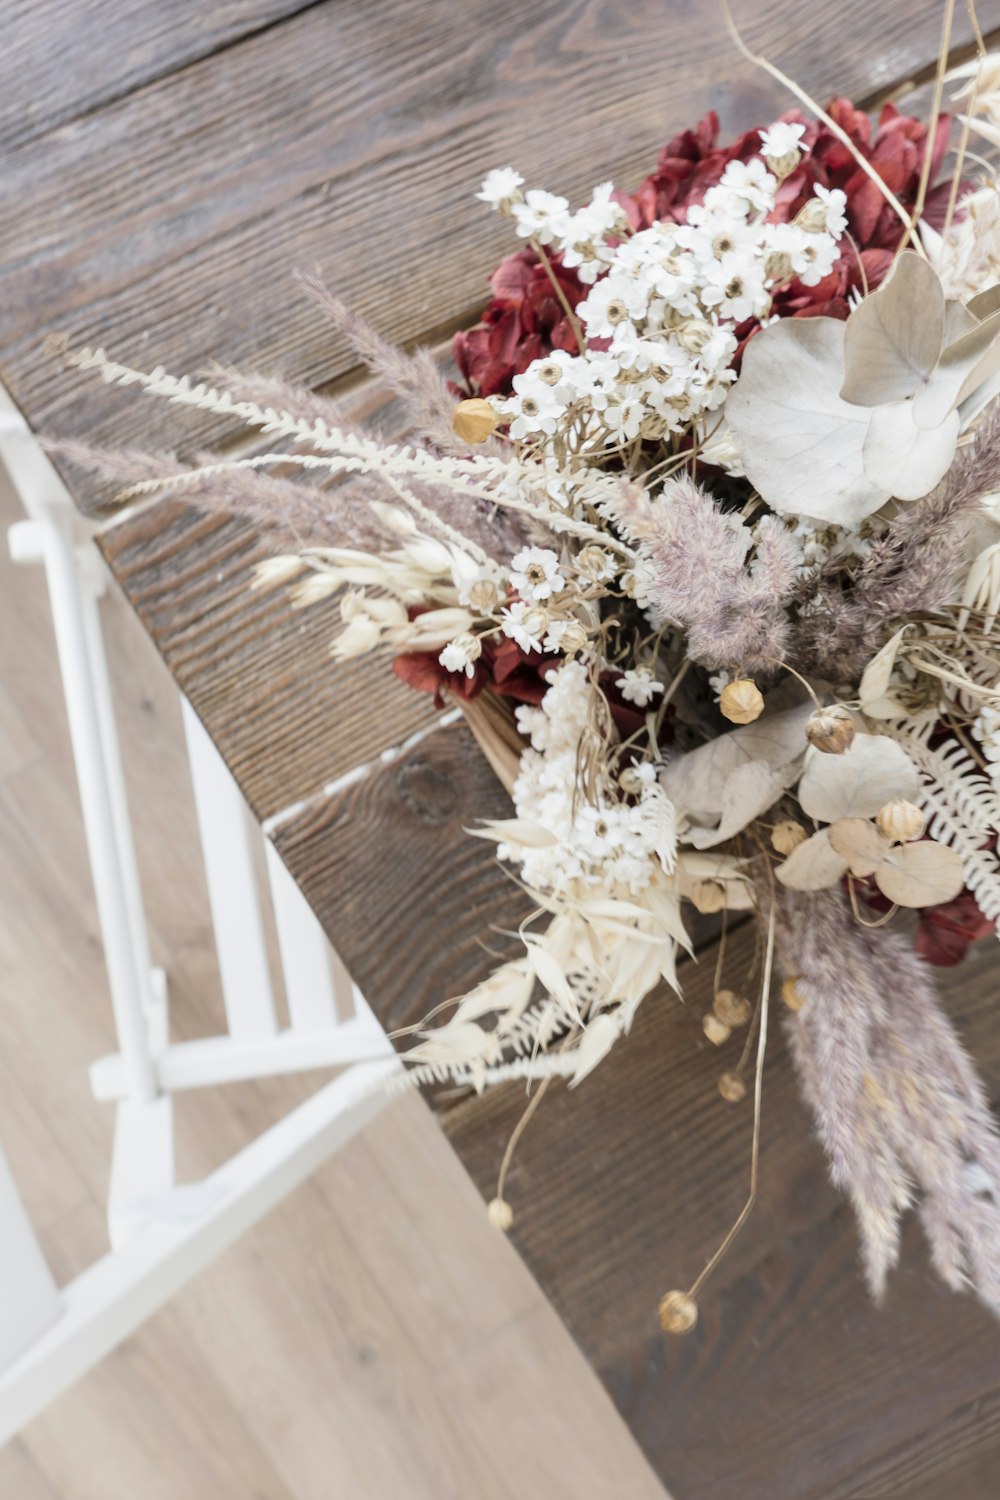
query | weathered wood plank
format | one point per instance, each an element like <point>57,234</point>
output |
<point>793,1385</point>
<point>166,225</point>
<point>387,863</point>
<point>62,58</point>
<point>287,719</point>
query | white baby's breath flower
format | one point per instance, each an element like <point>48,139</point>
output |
<point>781,139</point>
<point>524,624</point>
<point>501,188</point>
<point>639,686</point>
<point>534,573</point>
<point>834,200</point>
<point>542,216</point>
<point>461,654</point>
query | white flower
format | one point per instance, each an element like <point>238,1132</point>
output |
<point>460,654</point>
<point>639,686</point>
<point>781,139</point>
<point>524,625</point>
<point>542,215</point>
<point>501,187</point>
<point>834,200</point>
<point>749,180</point>
<point>534,573</point>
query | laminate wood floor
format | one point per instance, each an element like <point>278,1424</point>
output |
<point>373,1338</point>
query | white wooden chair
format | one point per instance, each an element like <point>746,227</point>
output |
<point>162,1233</point>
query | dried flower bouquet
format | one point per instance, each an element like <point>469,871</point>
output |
<point>708,554</point>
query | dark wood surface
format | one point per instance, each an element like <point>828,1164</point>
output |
<point>159,192</point>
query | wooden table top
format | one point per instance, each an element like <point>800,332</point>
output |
<point>164,176</point>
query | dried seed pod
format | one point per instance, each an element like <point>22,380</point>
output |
<point>900,820</point>
<point>787,836</point>
<point>732,1088</point>
<point>717,1031</point>
<point>500,1214</point>
<point>791,995</point>
<point>831,730</point>
<point>708,896</point>
<point>812,216</point>
<point>678,1312</point>
<point>741,701</point>
<point>473,420</point>
<point>732,1009</point>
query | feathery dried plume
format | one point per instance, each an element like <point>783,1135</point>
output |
<point>898,1104</point>
<point>733,615</point>
<point>912,568</point>
<point>414,378</point>
<point>271,390</point>
<point>312,517</point>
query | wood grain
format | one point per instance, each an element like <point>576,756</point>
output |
<point>287,720</point>
<point>60,59</point>
<point>793,1384</point>
<point>166,225</point>
<point>425,917</point>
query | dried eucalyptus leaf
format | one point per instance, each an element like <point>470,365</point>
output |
<point>893,340</point>
<point>722,786</point>
<point>903,458</point>
<point>859,842</point>
<point>858,782</point>
<point>921,874</point>
<point>813,865</point>
<point>800,443</point>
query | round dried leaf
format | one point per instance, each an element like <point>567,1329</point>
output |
<point>860,843</point>
<point>873,771</point>
<point>813,866</point>
<point>923,874</point>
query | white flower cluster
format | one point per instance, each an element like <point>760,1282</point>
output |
<point>667,300</point>
<point>613,843</point>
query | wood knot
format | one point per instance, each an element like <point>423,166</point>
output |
<point>427,791</point>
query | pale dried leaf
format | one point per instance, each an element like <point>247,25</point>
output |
<point>903,458</point>
<point>514,831</point>
<point>859,781</point>
<point>812,866</point>
<point>876,700</point>
<point>800,443</point>
<point>723,785</point>
<point>921,874</point>
<point>893,339</point>
<point>859,842</point>
<point>595,1044</point>
<point>550,973</point>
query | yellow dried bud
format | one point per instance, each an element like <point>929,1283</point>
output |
<point>784,166</point>
<point>678,1312</point>
<point>716,1031</point>
<point>500,1214</point>
<point>900,821</point>
<point>573,637</point>
<point>787,836</point>
<point>732,1088</point>
<point>741,701</point>
<point>812,216</point>
<point>732,1009</point>
<point>693,335</point>
<point>474,420</point>
<point>831,730</point>
<point>778,266</point>
<point>630,781</point>
<point>792,995</point>
<point>652,427</point>
<point>708,896</point>
<point>483,595</point>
